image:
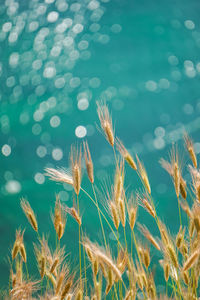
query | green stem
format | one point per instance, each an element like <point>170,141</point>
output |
<point>104,237</point>
<point>79,233</point>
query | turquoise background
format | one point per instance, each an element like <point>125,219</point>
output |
<point>142,57</point>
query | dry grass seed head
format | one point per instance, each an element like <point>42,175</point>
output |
<point>59,218</point>
<point>143,175</point>
<point>106,122</point>
<point>66,288</point>
<point>126,155</point>
<point>122,260</point>
<point>184,205</point>
<point>196,216</point>
<point>180,237</point>
<point>114,214</point>
<point>29,213</point>
<point>119,181</point>
<point>76,168</point>
<point>145,201</point>
<point>24,290</point>
<point>149,236</point>
<point>174,169</point>
<point>74,213</point>
<point>43,255</point>
<point>195,174</point>
<point>190,148</point>
<point>183,188</point>
<point>165,236</point>
<point>88,162</point>
<point>57,259</point>
<point>192,259</point>
<point>122,211</point>
<point>166,268</point>
<point>59,175</point>
<point>172,255</point>
<point>19,245</point>
<point>61,278</point>
<point>132,211</point>
<point>103,257</point>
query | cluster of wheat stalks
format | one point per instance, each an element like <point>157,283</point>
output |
<point>128,273</point>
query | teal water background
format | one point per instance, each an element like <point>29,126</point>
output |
<point>57,58</point>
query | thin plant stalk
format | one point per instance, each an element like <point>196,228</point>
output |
<point>79,233</point>
<point>97,205</point>
<point>102,216</point>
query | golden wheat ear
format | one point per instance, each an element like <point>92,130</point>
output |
<point>59,218</point>
<point>29,213</point>
<point>106,122</point>
<point>190,148</point>
<point>88,162</point>
<point>76,168</point>
<point>125,154</point>
<point>59,175</point>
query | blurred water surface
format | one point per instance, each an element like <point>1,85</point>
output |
<point>57,58</point>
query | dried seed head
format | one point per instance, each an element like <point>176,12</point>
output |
<point>119,182</point>
<point>180,237</point>
<point>146,257</point>
<point>122,212</point>
<point>103,258</point>
<point>42,265</point>
<point>126,155</point>
<point>79,295</point>
<point>177,179</point>
<point>148,236</point>
<point>61,278</point>
<point>23,252</point>
<point>76,169</point>
<point>164,233</point>
<point>88,162</point>
<point>186,208</point>
<point>196,216</point>
<point>66,289</point>
<point>185,276</point>
<point>132,211</point>
<point>18,245</point>
<point>59,175</point>
<point>184,249</point>
<point>191,260</point>
<point>29,213</point>
<point>166,271</point>
<point>15,249</point>
<point>106,122</point>
<point>143,175</point>
<point>190,148</point>
<point>110,277</point>
<point>174,169</point>
<point>95,266</point>
<point>132,216</point>
<point>54,265</point>
<point>59,218</point>
<point>122,260</point>
<point>43,256</point>
<point>24,290</point>
<point>56,260</point>
<point>115,215</point>
<point>183,190</point>
<point>145,201</point>
<point>52,279</point>
<point>74,213</point>
<point>172,255</point>
<point>195,174</point>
